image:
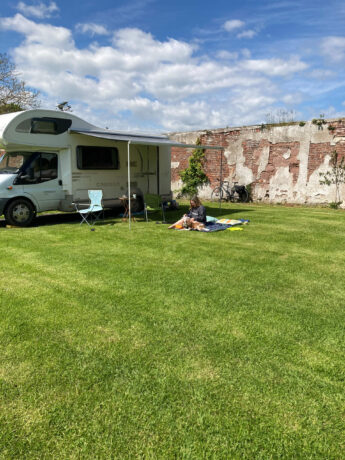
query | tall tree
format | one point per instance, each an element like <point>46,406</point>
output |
<point>14,94</point>
<point>194,176</point>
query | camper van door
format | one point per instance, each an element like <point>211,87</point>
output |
<point>41,183</point>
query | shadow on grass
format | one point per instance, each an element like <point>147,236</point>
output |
<point>112,217</point>
<point>65,218</point>
<point>225,212</point>
<point>73,218</point>
<point>214,210</point>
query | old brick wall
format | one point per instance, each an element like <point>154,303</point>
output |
<point>283,163</point>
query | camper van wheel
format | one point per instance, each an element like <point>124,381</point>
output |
<point>20,213</point>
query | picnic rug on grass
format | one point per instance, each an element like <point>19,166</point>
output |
<point>214,227</point>
<point>219,225</point>
<point>224,224</point>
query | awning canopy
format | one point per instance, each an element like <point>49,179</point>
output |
<point>142,139</point>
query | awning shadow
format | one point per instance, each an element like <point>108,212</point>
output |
<point>66,218</point>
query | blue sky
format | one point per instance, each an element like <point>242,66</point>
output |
<point>180,65</point>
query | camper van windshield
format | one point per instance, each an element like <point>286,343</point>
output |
<point>10,163</point>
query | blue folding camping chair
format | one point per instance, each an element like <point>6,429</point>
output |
<point>95,209</point>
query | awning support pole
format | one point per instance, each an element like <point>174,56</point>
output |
<point>129,184</point>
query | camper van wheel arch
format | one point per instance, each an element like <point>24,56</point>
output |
<point>20,212</point>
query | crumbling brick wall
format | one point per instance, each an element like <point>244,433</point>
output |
<point>282,162</point>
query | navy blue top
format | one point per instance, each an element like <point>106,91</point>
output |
<point>198,213</point>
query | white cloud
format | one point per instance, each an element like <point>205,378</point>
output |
<point>333,48</point>
<point>46,34</point>
<point>141,45</point>
<point>252,98</point>
<point>233,24</point>
<point>331,112</point>
<point>293,98</point>
<point>91,29</point>
<point>246,53</point>
<point>180,81</point>
<point>138,80</point>
<point>247,34</point>
<point>39,10</point>
<point>321,74</point>
<point>274,67</point>
<point>223,54</point>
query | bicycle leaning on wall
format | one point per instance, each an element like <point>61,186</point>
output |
<point>235,194</point>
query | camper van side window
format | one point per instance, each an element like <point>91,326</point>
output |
<point>97,157</point>
<point>44,125</point>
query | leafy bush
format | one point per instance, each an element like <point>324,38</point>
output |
<point>335,176</point>
<point>194,176</point>
<point>335,204</point>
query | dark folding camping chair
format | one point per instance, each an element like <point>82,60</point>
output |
<point>153,203</point>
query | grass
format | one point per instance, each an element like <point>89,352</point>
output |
<point>163,344</point>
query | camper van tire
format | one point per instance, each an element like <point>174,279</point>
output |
<point>20,213</point>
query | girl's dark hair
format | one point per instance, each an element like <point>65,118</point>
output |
<point>196,200</point>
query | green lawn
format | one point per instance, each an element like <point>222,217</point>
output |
<point>161,344</point>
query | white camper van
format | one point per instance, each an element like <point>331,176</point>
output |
<point>50,159</point>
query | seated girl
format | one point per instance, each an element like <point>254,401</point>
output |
<point>195,218</point>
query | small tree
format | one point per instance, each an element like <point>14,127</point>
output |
<point>335,176</point>
<point>14,94</point>
<point>194,176</point>
<point>319,121</point>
